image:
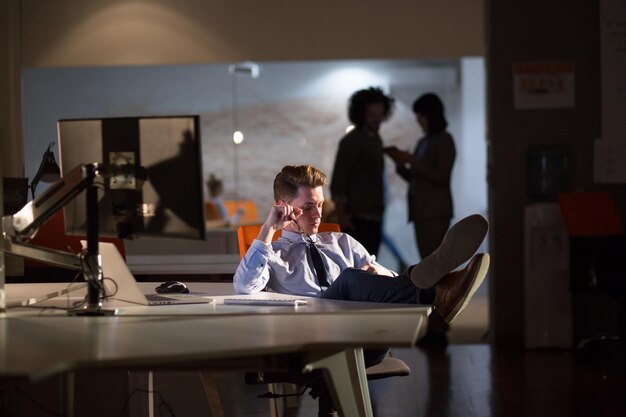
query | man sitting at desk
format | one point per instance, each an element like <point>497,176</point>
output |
<point>336,266</point>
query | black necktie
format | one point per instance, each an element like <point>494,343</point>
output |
<point>318,264</point>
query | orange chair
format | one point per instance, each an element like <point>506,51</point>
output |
<point>590,214</point>
<point>211,212</point>
<point>597,246</point>
<point>249,216</point>
<point>247,233</point>
<point>52,235</point>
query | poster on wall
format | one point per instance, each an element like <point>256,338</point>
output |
<point>543,85</point>
<point>610,149</point>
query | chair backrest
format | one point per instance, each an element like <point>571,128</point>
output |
<point>249,215</point>
<point>590,214</point>
<point>247,233</point>
<point>211,212</point>
<point>52,235</point>
<point>597,244</point>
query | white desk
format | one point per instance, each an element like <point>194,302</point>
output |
<point>326,334</point>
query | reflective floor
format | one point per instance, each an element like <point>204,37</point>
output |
<point>458,381</point>
<point>475,380</point>
<point>464,378</point>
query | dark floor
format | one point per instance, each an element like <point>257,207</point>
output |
<point>465,378</point>
<point>460,381</point>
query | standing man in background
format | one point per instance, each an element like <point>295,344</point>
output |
<point>357,184</point>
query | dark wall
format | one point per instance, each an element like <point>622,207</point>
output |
<point>535,31</point>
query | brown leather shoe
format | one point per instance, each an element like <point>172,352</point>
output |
<point>454,291</point>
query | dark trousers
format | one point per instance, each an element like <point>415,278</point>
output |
<point>357,285</point>
<point>429,234</point>
<point>368,233</point>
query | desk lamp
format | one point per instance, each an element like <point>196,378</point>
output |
<point>48,170</point>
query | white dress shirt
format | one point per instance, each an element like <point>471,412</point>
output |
<point>285,267</point>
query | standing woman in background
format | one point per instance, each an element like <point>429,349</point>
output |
<point>428,171</point>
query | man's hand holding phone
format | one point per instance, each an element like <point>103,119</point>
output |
<point>398,156</point>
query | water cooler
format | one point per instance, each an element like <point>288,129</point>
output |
<point>547,295</point>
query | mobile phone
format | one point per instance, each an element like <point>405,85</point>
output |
<point>390,149</point>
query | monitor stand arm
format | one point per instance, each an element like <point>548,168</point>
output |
<point>23,225</point>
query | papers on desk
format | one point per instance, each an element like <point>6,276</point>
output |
<point>291,302</point>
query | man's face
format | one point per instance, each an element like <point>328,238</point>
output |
<point>310,201</point>
<point>374,115</point>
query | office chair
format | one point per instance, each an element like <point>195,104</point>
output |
<point>211,212</point>
<point>249,216</point>
<point>247,233</point>
<point>52,235</point>
<point>389,367</point>
<point>597,249</point>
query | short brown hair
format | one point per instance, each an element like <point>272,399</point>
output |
<point>291,177</point>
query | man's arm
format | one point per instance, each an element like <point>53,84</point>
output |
<point>280,215</point>
<point>253,272</point>
<point>438,175</point>
<point>344,161</point>
<point>362,259</point>
<point>401,159</point>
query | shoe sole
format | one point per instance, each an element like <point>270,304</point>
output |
<point>459,244</point>
<point>477,279</point>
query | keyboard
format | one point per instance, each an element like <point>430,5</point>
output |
<point>265,302</point>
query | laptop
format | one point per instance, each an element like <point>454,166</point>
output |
<point>114,268</point>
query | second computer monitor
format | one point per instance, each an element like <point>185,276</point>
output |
<point>152,182</point>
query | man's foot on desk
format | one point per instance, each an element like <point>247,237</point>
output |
<point>455,290</point>
<point>458,245</point>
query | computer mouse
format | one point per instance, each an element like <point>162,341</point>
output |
<point>172,287</point>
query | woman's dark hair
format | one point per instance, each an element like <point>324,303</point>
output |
<point>430,106</point>
<point>360,99</point>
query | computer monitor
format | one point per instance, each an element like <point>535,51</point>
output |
<point>152,182</point>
